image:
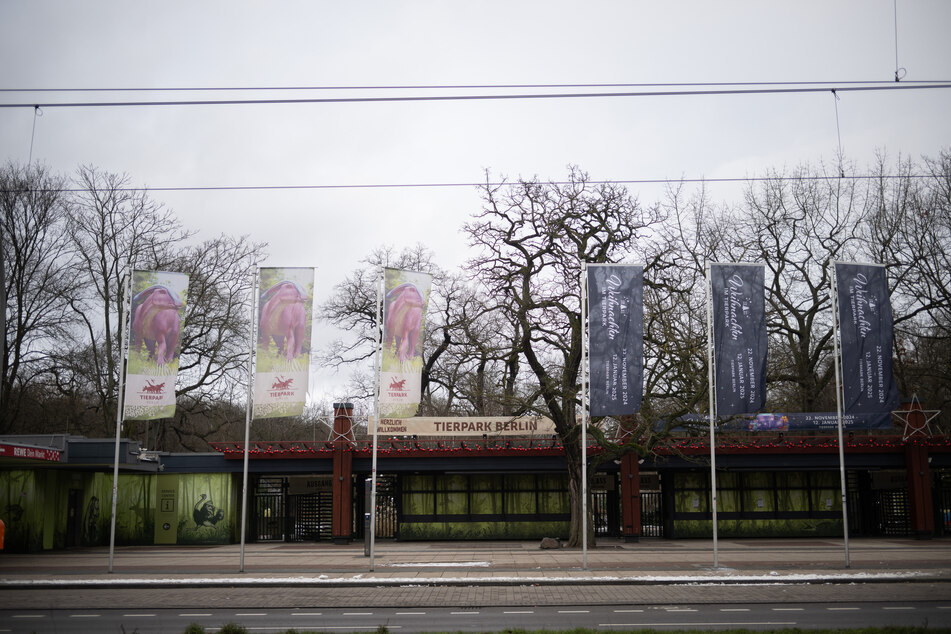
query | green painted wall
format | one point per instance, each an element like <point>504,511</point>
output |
<point>207,505</point>
<point>21,510</point>
<point>762,494</point>
<point>479,497</point>
<point>34,505</point>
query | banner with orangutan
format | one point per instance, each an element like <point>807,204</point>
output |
<point>282,365</point>
<point>406,296</point>
<point>157,316</point>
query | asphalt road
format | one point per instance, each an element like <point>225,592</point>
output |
<point>451,609</point>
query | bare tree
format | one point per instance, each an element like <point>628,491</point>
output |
<point>532,238</point>
<point>353,308</point>
<point>798,226</point>
<point>910,232</point>
<point>36,254</point>
<point>114,228</point>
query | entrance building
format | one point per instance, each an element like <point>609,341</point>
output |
<point>55,491</point>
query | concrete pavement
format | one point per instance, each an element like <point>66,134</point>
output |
<point>649,561</point>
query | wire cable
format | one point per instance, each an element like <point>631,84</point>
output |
<point>461,86</point>
<point>449,185</point>
<point>480,97</point>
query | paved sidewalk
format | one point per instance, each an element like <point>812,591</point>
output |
<point>648,562</point>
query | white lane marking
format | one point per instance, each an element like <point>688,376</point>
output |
<point>518,612</point>
<point>411,613</point>
<point>734,609</point>
<point>843,609</point>
<point>195,614</point>
<point>788,609</point>
<point>465,613</point>
<point>337,627</point>
<point>28,616</point>
<point>250,613</point>
<point>358,613</point>
<point>574,611</point>
<point>307,613</point>
<point>137,615</point>
<point>897,607</point>
<point>627,611</point>
<point>699,624</point>
<point>84,616</point>
<point>679,610</point>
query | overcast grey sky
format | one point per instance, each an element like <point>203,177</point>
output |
<point>121,44</point>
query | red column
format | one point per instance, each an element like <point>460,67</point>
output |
<point>341,530</point>
<point>921,505</point>
<point>630,498</point>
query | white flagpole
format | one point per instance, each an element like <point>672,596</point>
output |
<point>836,327</point>
<point>247,410</point>
<point>119,416</point>
<point>376,408</point>
<point>711,380</point>
<point>584,415</point>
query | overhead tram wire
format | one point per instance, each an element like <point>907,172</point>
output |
<point>464,86</point>
<point>483,97</point>
<point>640,181</point>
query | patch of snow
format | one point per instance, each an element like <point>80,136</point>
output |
<point>454,564</point>
<point>712,579</point>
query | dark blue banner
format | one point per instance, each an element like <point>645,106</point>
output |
<point>616,338</point>
<point>865,333</point>
<point>739,337</point>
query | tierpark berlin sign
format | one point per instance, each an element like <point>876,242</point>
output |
<point>475,426</point>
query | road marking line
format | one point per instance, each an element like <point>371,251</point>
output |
<point>628,611</point>
<point>411,613</point>
<point>250,613</point>
<point>897,607</point>
<point>518,612</point>
<point>358,613</point>
<point>129,615</point>
<point>842,609</point>
<point>679,610</point>
<point>699,624</point>
<point>734,609</point>
<point>84,616</point>
<point>307,613</point>
<point>574,611</point>
<point>341,627</point>
<point>195,614</point>
<point>28,616</point>
<point>463,613</point>
<point>788,609</point>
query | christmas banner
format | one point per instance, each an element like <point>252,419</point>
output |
<point>282,365</point>
<point>616,338</point>
<point>157,318</point>
<point>739,337</point>
<point>406,297</point>
<point>865,332</point>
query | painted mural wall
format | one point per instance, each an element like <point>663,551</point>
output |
<point>47,509</point>
<point>482,506</point>
<point>784,504</point>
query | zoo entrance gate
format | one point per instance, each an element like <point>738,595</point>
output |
<point>300,509</point>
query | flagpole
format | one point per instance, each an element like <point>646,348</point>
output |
<point>584,415</point>
<point>247,410</point>
<point>120,404</point>
<point>376,418</point>
<point>836,328</point>
<point>711,380</point>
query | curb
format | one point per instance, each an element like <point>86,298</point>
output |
<point>363,582</point>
